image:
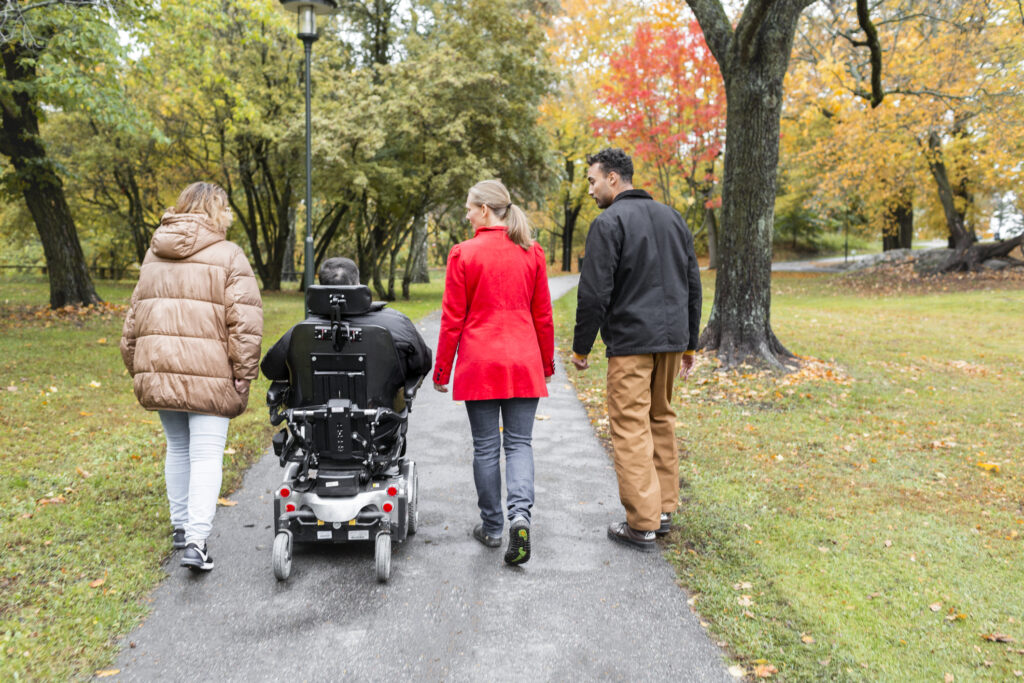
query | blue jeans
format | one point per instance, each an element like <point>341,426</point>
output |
<point>195,455</point>
<point>517,415</point>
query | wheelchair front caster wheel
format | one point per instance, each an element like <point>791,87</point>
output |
<point>282,556</point>
<point>382,556</point>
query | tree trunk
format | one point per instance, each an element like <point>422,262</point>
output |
<point>288,272</point>
<point>420,266</point>
<point>570,212</point>
<point>899,229</point>
<point>42,188</point>
<point>712,223</point>
<point>961,240</point>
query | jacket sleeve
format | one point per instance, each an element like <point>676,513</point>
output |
<point>597,280</point>
<point>453,316</point>
<point>128,335</point>
<point>541,310</point>
<point>696,294</point>
<point>275,364</point>
<point>414,353</point>
<point>244,316</point>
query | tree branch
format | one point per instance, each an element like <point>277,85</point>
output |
<point>864,19</point>
<point>749,25</point>
<point>717,30</point>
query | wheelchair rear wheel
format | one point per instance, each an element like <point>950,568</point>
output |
<point>282,556</point>
<point>382,555</point>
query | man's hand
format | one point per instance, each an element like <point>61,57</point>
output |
<point>687,366</point>
<point>443,388</point>
<point>241,385</point>
<point>579,361</point>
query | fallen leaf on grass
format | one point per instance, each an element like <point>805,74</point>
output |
<point>229,451</point>
<point>765,670</point>
<point>742,585</point>
<point>103,673</point>
<point>224,502</point>
<point>888,544</point>
<point>955,616</point>
<point>84,414</point>
<point>997,637</point>
<point>744,601</point>
<point>807,638</point>
<point>97,583</point>
<point>101,340</point>
<point>83,473</point>
<point>737,671</point>
<point>989,466</point>
<point>95,385</point>
<point>11,387</point>
<point>935,606</point>
<point>56,500</point>
<point>948,678</point>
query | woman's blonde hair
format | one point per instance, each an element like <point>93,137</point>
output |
<point>208,198</point>
<point>494,195</point>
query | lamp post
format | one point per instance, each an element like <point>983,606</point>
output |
<point>307,11</point>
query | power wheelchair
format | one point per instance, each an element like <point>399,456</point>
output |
<point>346,474</point>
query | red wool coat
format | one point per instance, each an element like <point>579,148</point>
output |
<point>496,312</point>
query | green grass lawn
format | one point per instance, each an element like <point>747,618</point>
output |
<point>84,527</point>
<point>864,518</point>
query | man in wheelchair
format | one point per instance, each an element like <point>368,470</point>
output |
<point>343,379</point>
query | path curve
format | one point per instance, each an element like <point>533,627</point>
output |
<point>583,608</point>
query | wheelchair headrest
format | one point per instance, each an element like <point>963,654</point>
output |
<point>347,299</point>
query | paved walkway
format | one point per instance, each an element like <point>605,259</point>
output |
<point>582,609</point>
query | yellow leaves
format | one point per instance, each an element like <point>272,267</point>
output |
<point>104,673</point>
<point>101,341</point>
<point>85,474</point>
<point>543,418</point>
<point>765,670</point>
<point>224,502</point>
<point>807,638</point>
<point>989,466</point>
<point>95,385</point>
<point>82,413</point>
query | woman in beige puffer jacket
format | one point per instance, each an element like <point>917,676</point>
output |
<point>191,342</point>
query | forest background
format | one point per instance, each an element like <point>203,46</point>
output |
<point>908,124</point>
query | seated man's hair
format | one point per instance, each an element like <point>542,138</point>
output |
<point>613,159</point>
<point>339,271</point>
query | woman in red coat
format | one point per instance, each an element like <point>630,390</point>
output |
<point>496,313</point>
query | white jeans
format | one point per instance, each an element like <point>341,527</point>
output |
<point>195,456</point>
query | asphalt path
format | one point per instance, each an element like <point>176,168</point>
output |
<point>583,608</point>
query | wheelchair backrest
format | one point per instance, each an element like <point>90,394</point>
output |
<point>335,358</point>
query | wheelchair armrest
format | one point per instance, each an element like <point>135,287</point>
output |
<point>278,393</point>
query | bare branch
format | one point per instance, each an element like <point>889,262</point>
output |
<point>864,19</point>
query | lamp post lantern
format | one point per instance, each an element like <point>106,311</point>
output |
<point>307,11</point>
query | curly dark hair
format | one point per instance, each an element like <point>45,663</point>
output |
<point>613,159</point>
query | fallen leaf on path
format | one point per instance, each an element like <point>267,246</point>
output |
<point>543,417</point>
<point>103,673</point>
<point>737,671</point>
<point>224,502</point>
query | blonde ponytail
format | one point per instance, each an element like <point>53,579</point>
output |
<point>494,195</point>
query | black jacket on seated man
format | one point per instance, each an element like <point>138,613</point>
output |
<point>413,353</point>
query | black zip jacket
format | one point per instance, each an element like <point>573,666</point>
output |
<point>640,283</point>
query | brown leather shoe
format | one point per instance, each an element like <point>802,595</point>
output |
<point>621,532</point>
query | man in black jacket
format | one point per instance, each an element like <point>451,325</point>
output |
<point>413,353</point>
<point>640,285</point>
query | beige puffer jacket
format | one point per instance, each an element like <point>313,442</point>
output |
<point>195,322</point>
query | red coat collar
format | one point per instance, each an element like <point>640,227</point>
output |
<point>485,228</point>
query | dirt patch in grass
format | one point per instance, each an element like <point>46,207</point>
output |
<point>890,279</point>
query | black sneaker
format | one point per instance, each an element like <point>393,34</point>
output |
<point>197,559</point>
<point>178,539</point>
<point>489,541</point>
<point>643,541</point>
<point>666,524</point>
<point>518,551</point>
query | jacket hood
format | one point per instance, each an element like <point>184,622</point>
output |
<point>182,234</point>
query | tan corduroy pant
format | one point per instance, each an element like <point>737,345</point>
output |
<point>642,425</point>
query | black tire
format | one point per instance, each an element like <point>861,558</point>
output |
<point>282,556</point>
<point>382,557</point>
<point>414,501</point>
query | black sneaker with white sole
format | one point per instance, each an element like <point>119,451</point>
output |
<point>666,524</point>
<point>197,559</point>
<point>178,539</point>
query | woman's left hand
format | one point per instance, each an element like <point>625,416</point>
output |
<point>241,385</point>
<point>443,388</point>
<point>547,380</point>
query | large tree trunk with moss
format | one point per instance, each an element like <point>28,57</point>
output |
<point>42,188</point>
<point>753,58</point>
